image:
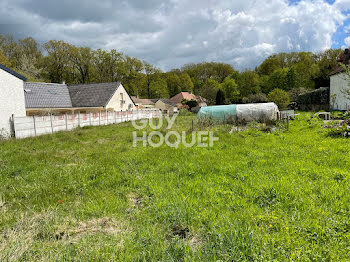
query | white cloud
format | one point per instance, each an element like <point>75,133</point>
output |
<point>342,4</point>
<point>347,41</point>
<point>175,32</point>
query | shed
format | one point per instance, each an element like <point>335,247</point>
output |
<point>166,106</point>
<point>340,85</point>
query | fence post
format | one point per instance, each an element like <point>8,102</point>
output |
<point>90,118</point>
<point>34,125</point>
<point>79,119</point>
<point>99,118</point>
<point>121,116</point>
<point>106,112</point>
<point>66,119</point>
<point>115,117</point>
<point>51,123</point>
<point>127,115</point>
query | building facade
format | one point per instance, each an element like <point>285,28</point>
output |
<point>11,98</point>
<point>340,91</point>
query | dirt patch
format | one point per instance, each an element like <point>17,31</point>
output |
<point>45,227</point>
<point>102,141</point>
<point>100,225</point>
<point>195,243</point>
<point>135,200</point>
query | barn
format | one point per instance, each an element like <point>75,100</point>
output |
<point>11,99</point>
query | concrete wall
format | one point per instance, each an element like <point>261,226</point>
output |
<point>121,101</point>
<point>339,99</point>
<point>11,100</point>
<point>41,125</point>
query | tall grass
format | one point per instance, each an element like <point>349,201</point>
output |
<point>254,196</point>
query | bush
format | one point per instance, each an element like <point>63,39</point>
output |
<point>280,97</point>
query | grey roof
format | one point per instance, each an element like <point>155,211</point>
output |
<point>10,71</point>
<point>168,102</point>
<point>143,101</point>
<point>45,95</point>
<point>92,95</point>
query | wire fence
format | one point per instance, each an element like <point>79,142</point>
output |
<point>31,126</point>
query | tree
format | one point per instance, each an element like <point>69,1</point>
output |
<point>248,83</point>
<point>158,86</point>
<point>186,83</point>
<point>30,56</point>
<point>209,89</point>
<point>150,71</point>
<point>134,78</point>
<point>173,84</point>
<point>56,63</point>
<point>3,60</point>
<point>278,79</point>
<point>82,61</point>
<point>230,88</point>
<point>280,97</point>
<point>255,98</point>
<point>220,97</point>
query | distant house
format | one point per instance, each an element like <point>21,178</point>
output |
<point>11,98</point>
<point>144,103</point>
<point>166,106</point>
<point>340,85</point>
<point>44,98</point>
<point>177,99</point>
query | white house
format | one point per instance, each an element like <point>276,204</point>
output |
<point>44,98</point>
<point>340,85</point>
<point>11,98</point>
<point>104,96</point>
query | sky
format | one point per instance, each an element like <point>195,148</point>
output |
<point>172,33</point>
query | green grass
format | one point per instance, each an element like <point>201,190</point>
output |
<point>254,196</point>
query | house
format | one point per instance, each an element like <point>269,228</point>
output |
<point>177,99</point>
<point>100,97</point>
<point>142,103</point>
<point>166,106</point>
<point>11,98</point>
<point>44,98</point>
<point>340,85</point>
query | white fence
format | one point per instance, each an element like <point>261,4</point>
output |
<point>30,126</point>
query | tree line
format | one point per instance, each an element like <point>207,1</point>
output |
<point>281,76</point>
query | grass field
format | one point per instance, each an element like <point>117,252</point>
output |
<point>254,196</point>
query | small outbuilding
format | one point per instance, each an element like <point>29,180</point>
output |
<point>144,103</point>
<point>166,106</point>
<point>340,85</point>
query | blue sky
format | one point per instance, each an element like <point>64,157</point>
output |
<point>342,33</point>
<point>171,33</point>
